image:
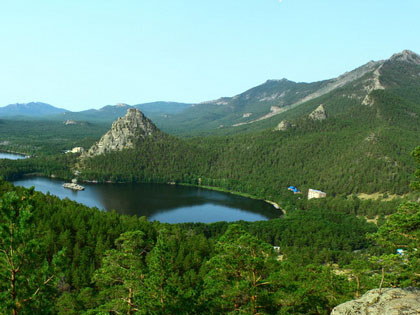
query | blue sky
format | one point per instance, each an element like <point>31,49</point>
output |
<point>81,54</point>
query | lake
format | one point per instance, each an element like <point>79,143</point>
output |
<point>164,203</point>
<point>11,156</point>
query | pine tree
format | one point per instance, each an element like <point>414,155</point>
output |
<point>162,284</point>
<point>121,276</point>
<point>28,280</point>
<point>401,232</point>
<point>237,276</point>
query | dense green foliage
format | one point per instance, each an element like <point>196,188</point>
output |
<point>27,275</point>
<point>60,257</point>
<point>342,156</point>
<point>401,232</point>
<point>172,265</point>
<point>42,137</point>
<point>358,149</point>
<point>53,165</point>
<point>112,263</point>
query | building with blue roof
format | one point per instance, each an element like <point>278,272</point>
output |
<point>294,189</point>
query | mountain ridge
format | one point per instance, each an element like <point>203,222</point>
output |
<point>260,107</point>
<point>31,109</point>
<point>263,106</point>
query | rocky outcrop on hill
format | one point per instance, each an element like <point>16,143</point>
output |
<point>283,125</point>
<point>390,301</point>
<point>406,56</point>
<point>319,113</point>
<point>70,122</point>
<point>124,133</point>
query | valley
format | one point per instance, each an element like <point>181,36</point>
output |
<point>191,250</point>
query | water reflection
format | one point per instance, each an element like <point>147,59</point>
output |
<point>165,203</point>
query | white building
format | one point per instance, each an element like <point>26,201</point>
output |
<point>313,193</point>
<point>77,150</point>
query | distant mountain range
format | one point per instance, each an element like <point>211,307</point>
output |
<point>107,113</point>
<point>111,112</point>
<point>268,104</point>
<point>348,135</point>
<point>260,107</point>
<point>33,109</point>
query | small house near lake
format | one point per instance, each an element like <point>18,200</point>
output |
<point>76,150</point>
<point>313,193</point>
<point>294,189</point>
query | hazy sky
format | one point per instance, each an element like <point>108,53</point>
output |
<point>81,54</point>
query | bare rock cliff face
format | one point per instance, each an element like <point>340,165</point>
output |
<point>124,133</point>
<point>390,301</point>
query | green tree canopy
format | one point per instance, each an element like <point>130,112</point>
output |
<point>237,276</point>
<point>28,279</point>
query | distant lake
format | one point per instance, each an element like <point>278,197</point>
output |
<point>164,203</point>
<point>11,156</point>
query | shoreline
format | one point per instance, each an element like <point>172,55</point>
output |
<point>237,193</point>
<point>275,205</point>
<point>224,190</point>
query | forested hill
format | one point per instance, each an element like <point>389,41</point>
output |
<point>356,149</point>
<point>263,106</point>
<point>266,105</point>
<point>93,260</point>
<point>360,142</point>
<point>60,257</point>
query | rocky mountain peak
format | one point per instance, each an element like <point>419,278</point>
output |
<point>124,134</point>
<point>406,56</point>
<point>275,80</point>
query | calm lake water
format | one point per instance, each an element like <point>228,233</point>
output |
<point>165,203</point>
<point>11,156</point>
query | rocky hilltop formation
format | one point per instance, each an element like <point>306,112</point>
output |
<point>406,56</point>
<point>319,113</point>
<point>124,133</point>
<point>380,302</point>
<point>283,126</point>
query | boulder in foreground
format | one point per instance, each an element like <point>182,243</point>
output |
<point>389,301</point>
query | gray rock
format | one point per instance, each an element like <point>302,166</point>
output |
<point>406,56</point>
<point>389,301</point>
<point>124,133</point>
<point>319,113</point>
<point>70,122</point>
<point>73,186</point>
<point>283,125</point>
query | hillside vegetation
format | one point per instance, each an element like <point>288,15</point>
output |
<point>60,257</point>
<point>365,151</point>
<point>363,145</point>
